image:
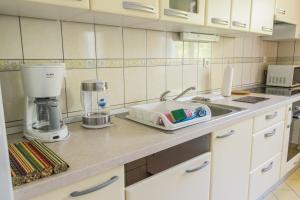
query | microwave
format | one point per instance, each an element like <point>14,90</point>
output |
<point>283,75</point>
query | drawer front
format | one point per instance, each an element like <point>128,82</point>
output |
<point>268,119</point>
<point>189,180</point>
<point>266,144</point>
<point>112,183</point>
<point>264,177</point>
<point>84,4</point>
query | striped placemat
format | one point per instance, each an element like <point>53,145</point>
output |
<point>32,160</point>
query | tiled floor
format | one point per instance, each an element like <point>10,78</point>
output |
<point>289,190</point>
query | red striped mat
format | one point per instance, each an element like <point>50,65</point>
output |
<point>32,160</point>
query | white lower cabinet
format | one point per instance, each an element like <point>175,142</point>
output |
<point>189,180</point>
<point>107,186</point>
<point>264,177</point>
<point>231,152</point>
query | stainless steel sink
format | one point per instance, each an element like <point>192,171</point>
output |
<point>219,110</point>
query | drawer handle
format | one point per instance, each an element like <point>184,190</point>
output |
<point>219,21</point>
<point>267,29</point>
<point>281,11</point>
<point>138,6</point>
<point>93,189</point>
<point>226,135</point>
<point>205,164</point>
<point>264,170</point>
<point>272,116</point>
<point>176,13</point>
<point>239,24</point>
<point>267,135</point>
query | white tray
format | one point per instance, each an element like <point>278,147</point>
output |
<point>149,114</point>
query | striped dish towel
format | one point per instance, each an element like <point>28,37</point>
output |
<point>32,160</point>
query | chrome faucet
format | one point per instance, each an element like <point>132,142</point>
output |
<point>184,92</point>
<point>163,96</point>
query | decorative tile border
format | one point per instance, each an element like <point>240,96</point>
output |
<point>174,61</point>
<point>187,61</point>
<point>10,65</point>
<point>135,62</point>
<point>80,64</point>
<point>156,62</point>
<point>110,63</point>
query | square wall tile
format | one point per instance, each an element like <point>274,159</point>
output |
<point>134,43</point>
<point>73,85</point>
<point>174,79</point>
<point>217,49</point>
<point>189,76</point>
<point>203,78</point>
<point>257,72</point>
<point>216,76</point>
<point>135,84</point>
<point>246,76</point>
<point>13,95</point>
<point>237,74</point>
<point>109,42</point>
<point>297,49</point>
<point>238,47</point>
<point>156,81</point>
<point>156,44</point>
<point>256,47</point>
<point>174,45</point>
<point>41,39</point>
<point>78,40</point>
<point>10,38</point>
<point>286,48</point>
<point>270,49</point>
<point>190,50</point>
<point>228,47</point>
<point>247,49</point>
<point>204,50</point>
<point>115,80</point>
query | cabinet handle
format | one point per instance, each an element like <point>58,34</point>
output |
<point>176,13</point>
<point>267,135</point>
<point>281,11</point>
<point>226,135</point>
<point>239,24</point>
<point>267,29</point>
<point>138,6</point>
<point>219,21</point>
<point>93,189</point>
<point>264,170</point>
<point>272,116</point>
<point>205,164</point>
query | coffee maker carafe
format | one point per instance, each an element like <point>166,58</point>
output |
<point>42,85</point>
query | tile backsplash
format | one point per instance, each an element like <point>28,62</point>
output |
<point>138,64</point>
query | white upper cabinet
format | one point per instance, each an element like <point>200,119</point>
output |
<point>218,13</point>
<point>240,15</point>
<point>285,11</point>
<point>262,16</point>
<point>189,12</point>
<point>85,4</point>
<point>136,8</point>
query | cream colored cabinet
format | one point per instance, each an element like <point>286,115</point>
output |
<point>240,15</point>
<point>262,16</point>
<point>189,180</point>
<point>231,152</point>
<point>108,186</point>
<point>286,11</point>
<point>269,119</point>
<point>136,8</point>
<point>85,4</point>
<point>218,13</point>
<point>187,12</point>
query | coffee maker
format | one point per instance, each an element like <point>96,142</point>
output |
<point>42,85</point>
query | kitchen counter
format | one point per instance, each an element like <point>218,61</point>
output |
<point>89,152</point>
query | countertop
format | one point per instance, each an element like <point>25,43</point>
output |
<point>89,152</point>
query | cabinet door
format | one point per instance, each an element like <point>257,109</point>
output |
<point>136,8</point>
<point>262,16</point>
<point>240,15</point>
<point>282,10</point>
<point>189,180</point>
<point>218,13</point>
<point>85,4</point>
<point>231,152</point>
<point>107,186</point>
<point>187,12</point>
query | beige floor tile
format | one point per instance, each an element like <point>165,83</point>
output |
<point>286,195</point>
<point>283,186</point>
<point>294,184</point>
<point>270,197</point>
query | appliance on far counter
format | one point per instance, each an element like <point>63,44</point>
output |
<point>42,85</point>
<point>279,91</point>
<point>95,115</point>
<point>6,189</point>
<point>294,139</point>
<point>283,75</point>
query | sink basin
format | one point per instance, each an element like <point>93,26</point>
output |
<point>219,110</point>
